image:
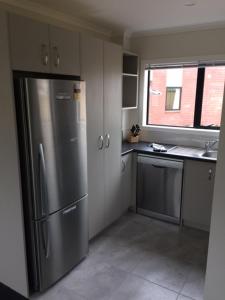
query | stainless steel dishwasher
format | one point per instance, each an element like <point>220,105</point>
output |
<point>159,187</point>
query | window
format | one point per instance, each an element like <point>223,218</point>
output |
<point>173,96</point>
<point>185,96</point>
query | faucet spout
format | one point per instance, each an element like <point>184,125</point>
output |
<point>209,145</point>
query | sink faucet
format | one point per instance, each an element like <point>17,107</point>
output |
<point>209,145</point>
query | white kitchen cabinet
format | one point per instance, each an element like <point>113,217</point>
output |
<point>198,187</point>
<point>112,129</point>
<point>126,181</point>
<point>29,44</point>
<point>13,261</point>
<point>64,51</point>
<point>101,65</point>
<point>92,72</point>
<point>39,47</point>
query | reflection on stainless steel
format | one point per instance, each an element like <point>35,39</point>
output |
<point>52,137</point>
<point>159,187</point>
<point>210,154</point>
<point>186,151</point>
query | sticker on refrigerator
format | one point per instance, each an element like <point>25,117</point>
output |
<point>76,92</point>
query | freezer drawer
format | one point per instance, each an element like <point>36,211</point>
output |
<point>159,187</point>
<point>62,242</point>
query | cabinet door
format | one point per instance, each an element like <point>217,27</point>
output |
<point>112,130</point>
<point>29,43</point>
<point>64,51</point>
<point>127,186</point>
<point>92,73</point>
<point>13,258</point>
<point>198,193</point>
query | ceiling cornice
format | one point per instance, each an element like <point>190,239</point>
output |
<point>182,29</point>
<point>44,11</point>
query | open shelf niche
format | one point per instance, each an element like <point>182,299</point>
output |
<point>130,80</point>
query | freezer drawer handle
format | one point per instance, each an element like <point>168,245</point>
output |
<point>68,210</point>
<point>42,181</point>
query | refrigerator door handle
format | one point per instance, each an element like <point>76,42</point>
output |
<point>45,237</point>
<point>42,182</point>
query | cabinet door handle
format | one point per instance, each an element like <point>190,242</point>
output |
<point>44,54</point>
<point>100,142</point>
<point>210,174</point>
<point>56,57</point>
<point>107,140</point>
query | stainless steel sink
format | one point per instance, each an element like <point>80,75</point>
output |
<point>211,154</point>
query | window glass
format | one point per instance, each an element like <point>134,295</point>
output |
<point>213,96</point>
<point>171,96</point>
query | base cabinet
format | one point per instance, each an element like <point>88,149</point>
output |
<point>126,182</point>
<point>198,188</point>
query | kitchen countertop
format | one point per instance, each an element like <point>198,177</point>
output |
<point>173,151</point>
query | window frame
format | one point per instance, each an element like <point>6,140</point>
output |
<point>198,97</point>
<point>176,109</point>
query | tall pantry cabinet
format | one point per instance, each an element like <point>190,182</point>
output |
<point>101,68</point>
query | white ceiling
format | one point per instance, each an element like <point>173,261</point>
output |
<point>139,16</point>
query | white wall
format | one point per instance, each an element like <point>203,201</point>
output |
<point>201,43</point>
<point>215,275</point>
<point>12,246</point>
<point>177,47</point>
<point>129,117</point>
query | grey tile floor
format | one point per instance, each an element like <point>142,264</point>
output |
<point>138,258</point>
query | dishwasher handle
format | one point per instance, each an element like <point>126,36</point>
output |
<point>160,162</point>
<point>159,167</point>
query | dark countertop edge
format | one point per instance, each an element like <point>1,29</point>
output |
<point>166,154</point>
<point>128,151</point>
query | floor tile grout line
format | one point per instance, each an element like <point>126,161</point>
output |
<point>152,282</point>
<point>131,221</point>
<point>180,294</point>
<point>145,279</point>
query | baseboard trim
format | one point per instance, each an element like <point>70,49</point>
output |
<point>196,225</point>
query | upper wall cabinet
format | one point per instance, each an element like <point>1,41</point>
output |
<point>29,43</point>
<point>39,47</point>
<point>64,51</point>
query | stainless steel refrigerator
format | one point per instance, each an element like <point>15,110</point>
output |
<point>51,118</point>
